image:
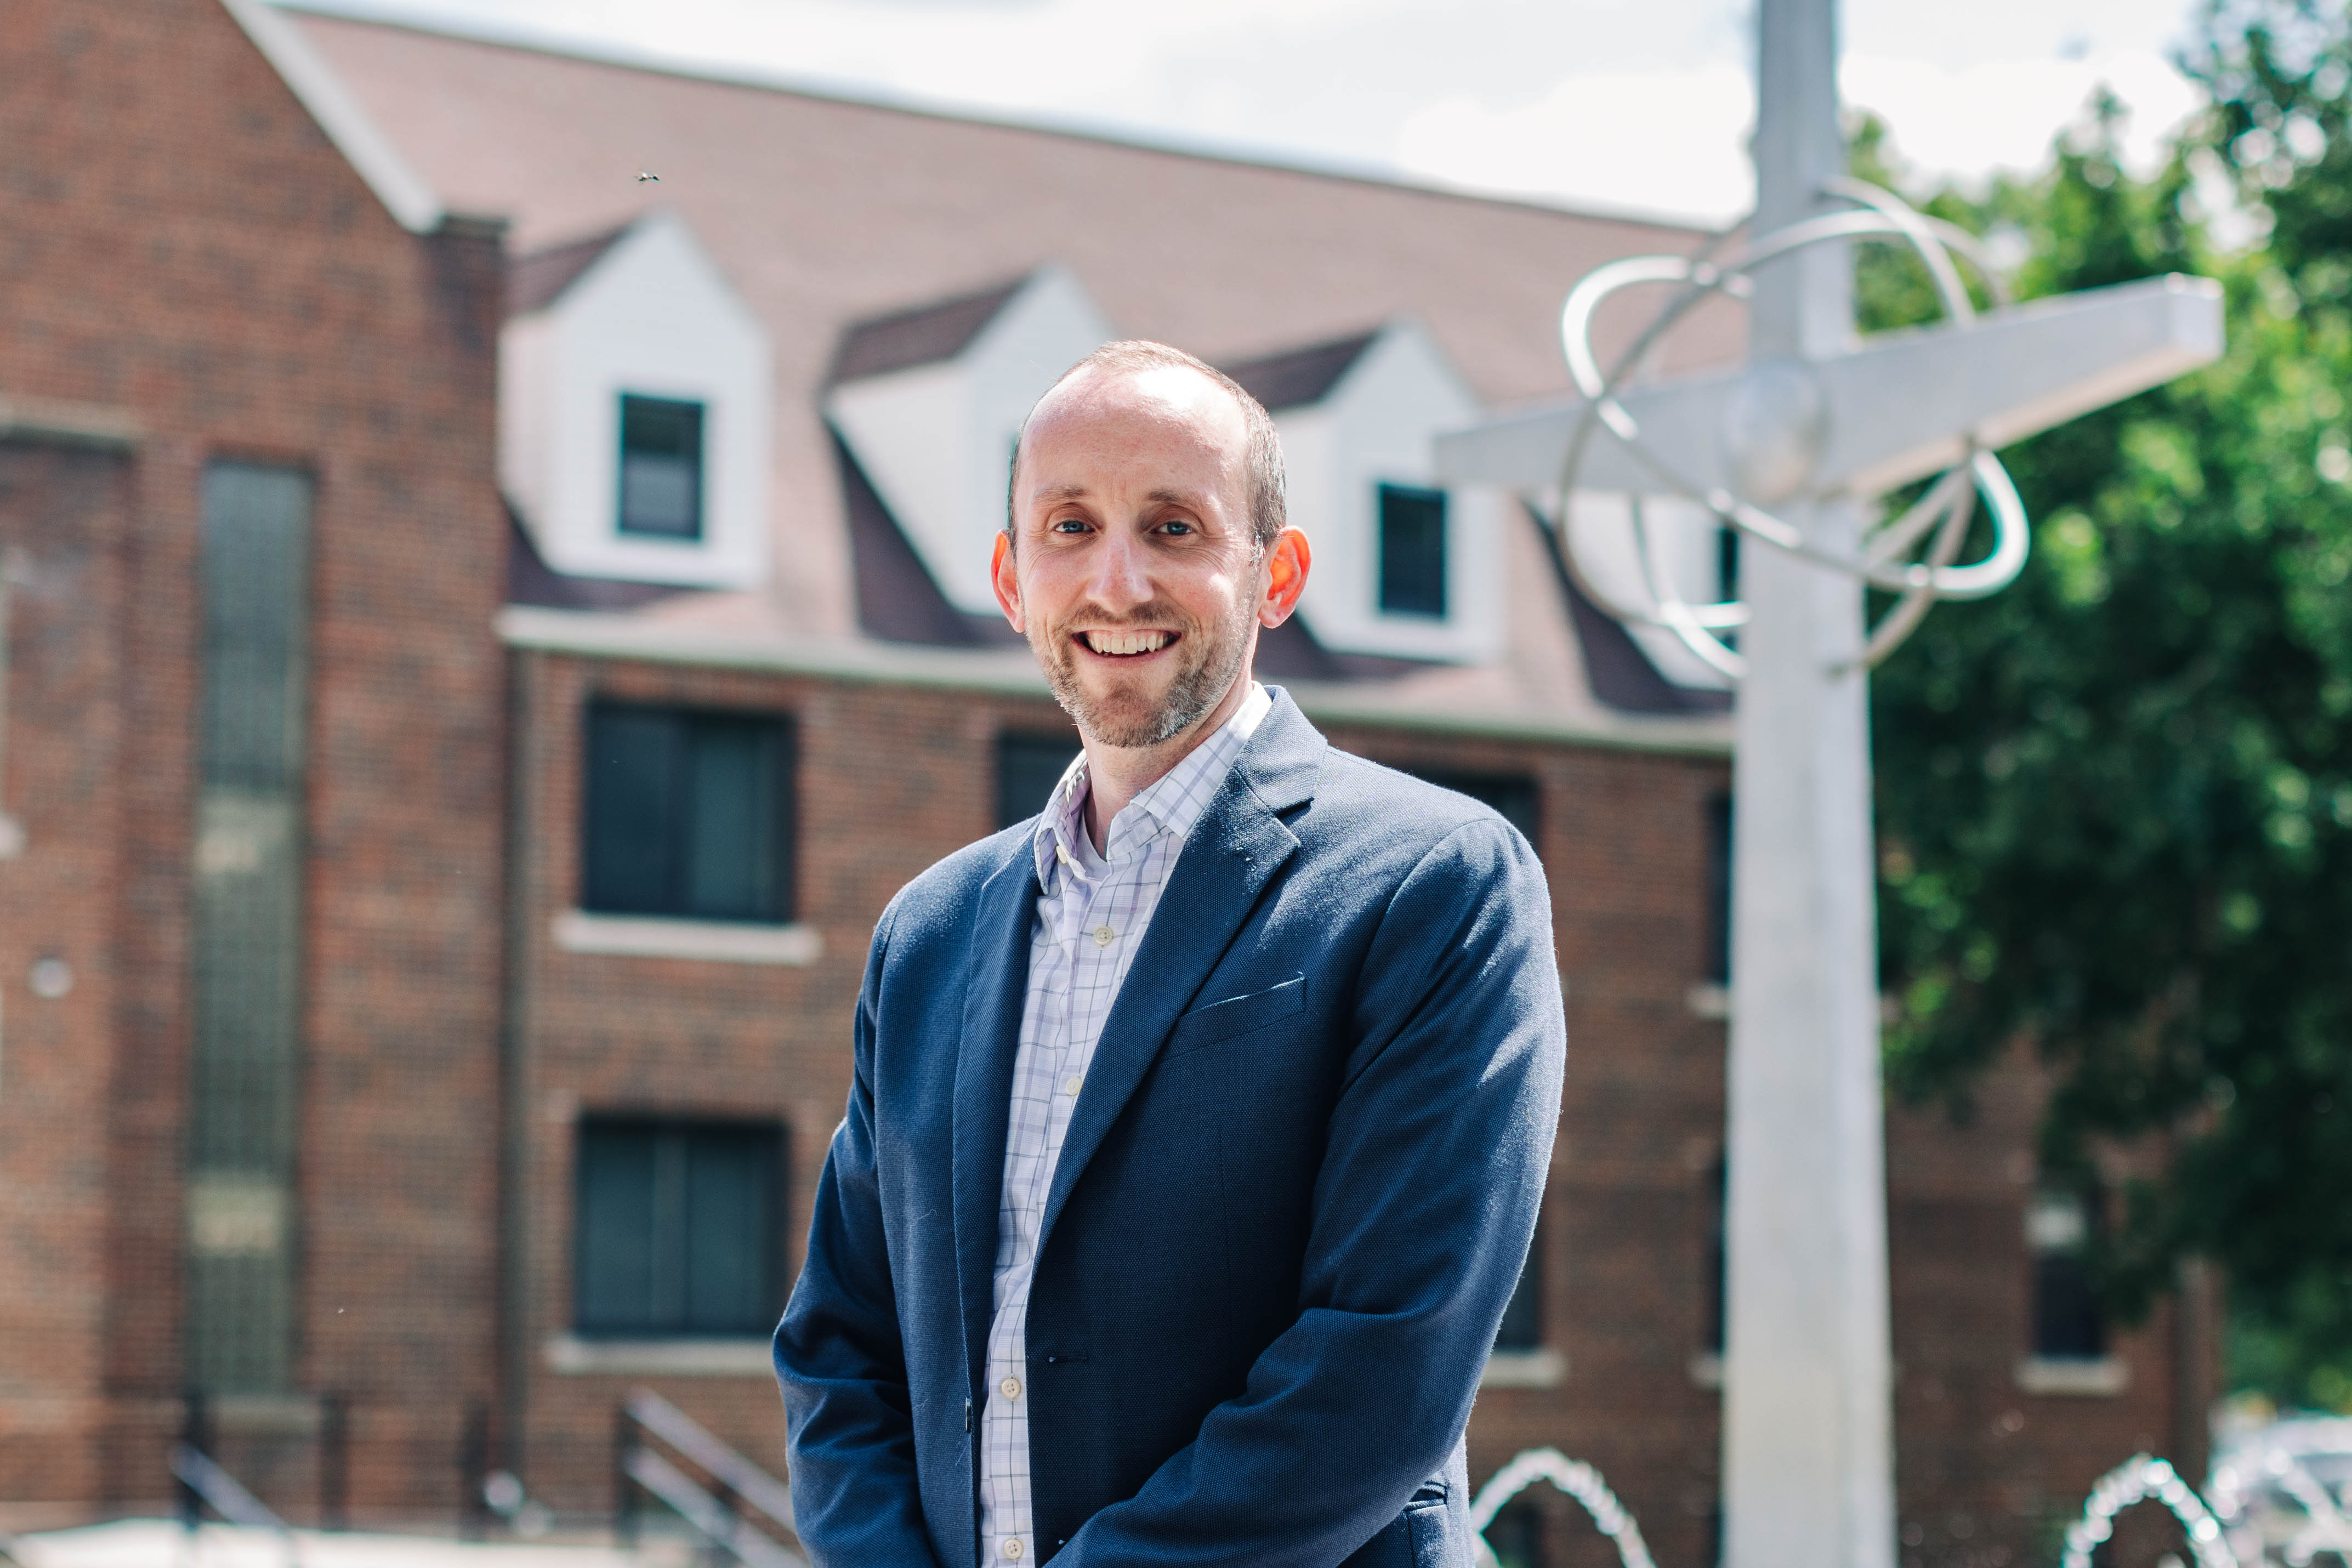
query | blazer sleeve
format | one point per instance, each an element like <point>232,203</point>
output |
<point>1424,1209</point>
<point>838,1354</point>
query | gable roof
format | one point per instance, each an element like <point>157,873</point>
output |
<point>537,280</point>
<point>924,335</point>
<point>1300,376</point>
<point>826,216</point>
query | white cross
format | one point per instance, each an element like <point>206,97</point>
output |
<point>1808,1465</point>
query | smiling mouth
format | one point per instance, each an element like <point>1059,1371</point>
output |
<point>1125,645</point>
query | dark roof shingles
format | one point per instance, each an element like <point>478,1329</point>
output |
<point>925,335</point>
<point>537,280</point>
<point>1296,377</point>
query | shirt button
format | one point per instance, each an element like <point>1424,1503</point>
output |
<point>1105,936</point>
<point>1009,1388</point>
<point>1070,1084</point>
<point>1061,854</point>
<point>1012,1548</point>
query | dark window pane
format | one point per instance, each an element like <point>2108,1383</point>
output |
<point>633,809</point>
<point>1516,1534</point>
<point>1522,1326</point>
<point>614,1227</point>
<point>688,814</point>
<point>661,468</point>
<point>733,820</point>
<point>675,1230</point>
<point>1718,889</point>
<point>1413,550</point>
<point>2059,1229</point>
<point>1512,795</point>
<point>730,1234</point>
<point>1027,769</point>
<point>1717,1275</point>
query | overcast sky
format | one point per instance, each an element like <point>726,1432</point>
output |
<point>1633,104</point>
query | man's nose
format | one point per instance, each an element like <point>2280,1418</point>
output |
<point>1120,579</point>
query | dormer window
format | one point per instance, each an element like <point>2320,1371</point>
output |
<point>1413,552</point>
<point>661,468</point>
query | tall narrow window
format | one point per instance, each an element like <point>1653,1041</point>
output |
<point>661,468</point>
<point>1027,769</point>
<point>1718,1197</point>
<point>688,814</point>
<point>675,1227</point>
<point>245,939</point>
<point>2060,1226</point>
<point>1413,550</point>
<point>1718,889</point>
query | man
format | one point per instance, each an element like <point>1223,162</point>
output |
<point>1198,1126</point>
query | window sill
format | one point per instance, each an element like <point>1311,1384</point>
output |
<point>1523,1369</point>
<point>712,941</point>
<point>1706,1370</point>
<point>2093,1378</point>
<point>1709,1001</point>
<point>574,1356</point>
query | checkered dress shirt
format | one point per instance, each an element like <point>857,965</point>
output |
<point>1091,918</point>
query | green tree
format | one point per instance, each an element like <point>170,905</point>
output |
<point>2116,801</point>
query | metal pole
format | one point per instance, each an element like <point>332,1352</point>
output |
<point>473,1469</point>
<point>1807,1427</point>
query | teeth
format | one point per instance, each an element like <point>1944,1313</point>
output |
<point>1126,642</point>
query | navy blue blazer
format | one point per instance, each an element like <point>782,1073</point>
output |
<point>1293,1201</point>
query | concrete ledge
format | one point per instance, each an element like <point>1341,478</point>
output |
<point>2091,1377</point>
<point>1709,1001</point>
<point>571,1354</point>
<point>713,941</point>
<point>1706,1370</point>
<point>1544,1368</point>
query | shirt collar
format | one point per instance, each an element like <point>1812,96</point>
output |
<point>1170,803</point>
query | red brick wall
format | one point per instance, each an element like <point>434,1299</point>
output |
<point>180,244</point>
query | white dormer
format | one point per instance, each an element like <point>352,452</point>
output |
<point>1687,550</point>
<point>1403,567</point>
<point>635,409</point>
<point>930,402</point>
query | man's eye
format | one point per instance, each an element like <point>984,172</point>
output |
<point>1068,525</point>
<point>1177,525</point>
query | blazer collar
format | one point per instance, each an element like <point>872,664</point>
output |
<point>1233,852</point>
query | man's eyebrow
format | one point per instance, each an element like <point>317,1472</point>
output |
<point>1059,492</point>
<point>1176,497</point>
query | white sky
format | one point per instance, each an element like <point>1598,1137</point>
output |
<point>1635,104</point>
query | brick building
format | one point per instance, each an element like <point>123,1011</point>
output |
<point>473,681</point>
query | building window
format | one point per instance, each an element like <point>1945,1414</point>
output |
<point>661,468</point>
<point>688,814</point>
<point>2060,1228</point>
<point>1513,795</point>
<point>246,934</point>
<point>1027,769</point>
<point>1516,1534</point>
<point>1718,889</point>
<point>1718,1202</point>
<point>1413,552</point>
<point>1522,1325</point>
<point>675,1228</point>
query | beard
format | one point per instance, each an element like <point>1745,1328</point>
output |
<point>1209,654</point>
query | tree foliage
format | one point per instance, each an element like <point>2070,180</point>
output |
<point>2116,801</point>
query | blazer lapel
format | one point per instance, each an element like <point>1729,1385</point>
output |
<point>1234,851</point>
<point>996,980</point>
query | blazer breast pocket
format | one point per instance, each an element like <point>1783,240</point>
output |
<point>1237,1016</point>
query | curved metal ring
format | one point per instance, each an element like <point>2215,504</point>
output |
<point>1941,515</point>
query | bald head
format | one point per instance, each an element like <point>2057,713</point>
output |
<point>1137,386</point>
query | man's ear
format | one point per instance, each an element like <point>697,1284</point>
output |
<point>1006,580</point>
<point>1286,577</point>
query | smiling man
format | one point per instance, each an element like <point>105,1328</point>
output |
<point>1198,1124</point>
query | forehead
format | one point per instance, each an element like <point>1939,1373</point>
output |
<point>1158,416</point>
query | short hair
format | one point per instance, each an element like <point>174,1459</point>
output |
<point>1262,450</point>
